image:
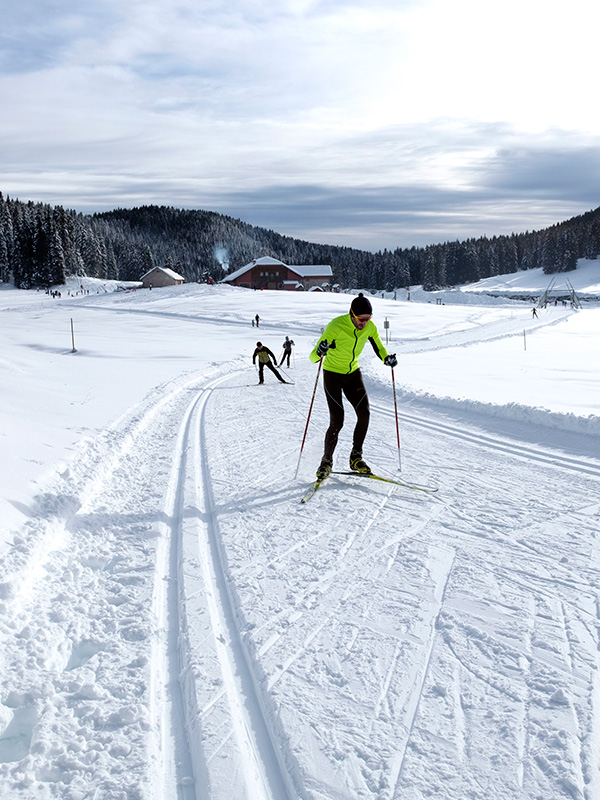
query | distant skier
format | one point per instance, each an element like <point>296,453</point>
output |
<point>264,356</point>
<point>534,313</point>
<point>287,351</point>
<point>257,320</point>
<point>341,344</point>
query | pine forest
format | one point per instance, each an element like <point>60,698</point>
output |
<point>41,245</point>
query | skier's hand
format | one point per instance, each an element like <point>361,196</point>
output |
<point>323,348</point>
<point>391,360</point>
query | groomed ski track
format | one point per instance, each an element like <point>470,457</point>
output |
<point>374,643</point>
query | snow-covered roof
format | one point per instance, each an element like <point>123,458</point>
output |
<point>171,273</point>
<point>313,270</point>
<point>265,261</point>
<point>304,270</point>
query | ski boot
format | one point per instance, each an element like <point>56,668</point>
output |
<point>357,464</point>
<point>324,470</point>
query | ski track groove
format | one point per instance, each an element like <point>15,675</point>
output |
<point>415,696</point>
<point>168,706</point>
<point>580,465</point>
<point>265,773</point>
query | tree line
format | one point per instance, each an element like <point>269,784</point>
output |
<point>41,245</point>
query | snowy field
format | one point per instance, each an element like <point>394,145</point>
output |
<point>175,625</point>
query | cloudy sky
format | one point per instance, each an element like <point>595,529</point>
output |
<point>367,123</point>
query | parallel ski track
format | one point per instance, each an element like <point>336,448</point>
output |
<point>176,755</point>
<point>265,776</point>
<point>517,450</point>
<point>61,533</point>
<point>172,750</point>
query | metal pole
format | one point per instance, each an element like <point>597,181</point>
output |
<point>73,337</point>
<point>397,426</point>
<point>308,418</point>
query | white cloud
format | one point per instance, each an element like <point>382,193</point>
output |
<point>174,102</point>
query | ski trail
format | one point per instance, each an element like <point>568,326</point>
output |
<point>481,332</point>
<point>107,557</point>
<point>372,644</point>
<point>167,705</point>
<point>231,724</point>
<point>480,439</point>
<point>441,564</point>
<point>90,605</point>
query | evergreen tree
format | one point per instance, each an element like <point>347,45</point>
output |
<point>430,271</point>
<point>40,245</point>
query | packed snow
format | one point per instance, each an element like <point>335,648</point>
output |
<point>175,624</point>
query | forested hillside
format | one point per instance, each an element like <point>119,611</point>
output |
<point>41,244</point>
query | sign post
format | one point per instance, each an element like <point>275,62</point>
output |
<point>73,337</point>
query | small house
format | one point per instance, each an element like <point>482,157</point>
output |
<point>161,276</point>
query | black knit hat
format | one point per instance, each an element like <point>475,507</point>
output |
<point>361,305</point>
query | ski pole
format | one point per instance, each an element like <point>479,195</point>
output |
<point>308,418</point>
<point>397,426</point>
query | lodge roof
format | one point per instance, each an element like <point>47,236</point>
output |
<point>303,270</point>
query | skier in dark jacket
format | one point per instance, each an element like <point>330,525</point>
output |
<point>264,356</point>
<point>340,345</point>
<point>287,351</point>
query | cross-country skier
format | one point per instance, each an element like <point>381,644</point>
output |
<point>287,351</point>
<point>341,344</point>
<point>264,356</point>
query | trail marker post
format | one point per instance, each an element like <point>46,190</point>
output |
<point>73,337</point>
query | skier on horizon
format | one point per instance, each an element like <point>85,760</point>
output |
<point>341,344</point>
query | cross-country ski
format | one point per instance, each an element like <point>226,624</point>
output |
<point>407,485</point>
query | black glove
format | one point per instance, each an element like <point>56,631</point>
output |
<point>391,360</point>
<point>323,348</point>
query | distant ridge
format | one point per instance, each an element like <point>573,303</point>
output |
<point>41,244</point>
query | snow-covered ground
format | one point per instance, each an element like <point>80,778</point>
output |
<point>175,624</point>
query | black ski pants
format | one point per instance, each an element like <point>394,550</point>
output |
<point>261,371</point>
<point>353,388</point>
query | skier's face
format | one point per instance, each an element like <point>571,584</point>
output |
<point>360,321</point>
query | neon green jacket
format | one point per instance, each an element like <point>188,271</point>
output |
<point>349,344</point>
